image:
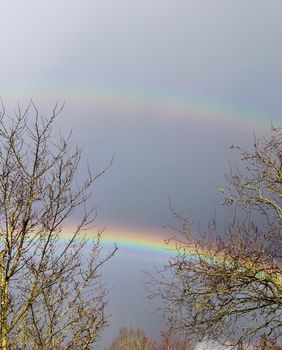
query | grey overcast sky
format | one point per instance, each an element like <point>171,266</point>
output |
<point>165,85</point>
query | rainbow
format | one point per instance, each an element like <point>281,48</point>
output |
<point>158,103</point>
<point>147,242</point>
<point>172,106</point>
<point>151,245</point>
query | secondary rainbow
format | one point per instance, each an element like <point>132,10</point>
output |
<point>159,103</point>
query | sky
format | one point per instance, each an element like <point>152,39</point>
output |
<point>163,86</point>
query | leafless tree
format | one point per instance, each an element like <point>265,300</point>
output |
<point>137,339</point>
<point>51,294</point>
<point>226,285</point>
<point>132,339</point>
<point>171,341</point>
<point>259,187</point>
<point>263,344</point>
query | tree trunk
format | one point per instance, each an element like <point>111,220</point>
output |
<point>4,310</point>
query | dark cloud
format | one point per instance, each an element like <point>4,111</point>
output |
<point>227,53</point>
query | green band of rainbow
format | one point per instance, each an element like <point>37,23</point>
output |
<point>171,105</point>
<point>151,244</point>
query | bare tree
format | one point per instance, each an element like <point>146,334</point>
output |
<point>171,341</point>
<point>137,339</point>
<point>51,294</point>
<point>265,345</point>
<point>259,187</point>
<point>132,339</point>
<point>227,286</point>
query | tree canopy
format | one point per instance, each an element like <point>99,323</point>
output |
<point>51,294</point>
<point>230,289</point>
